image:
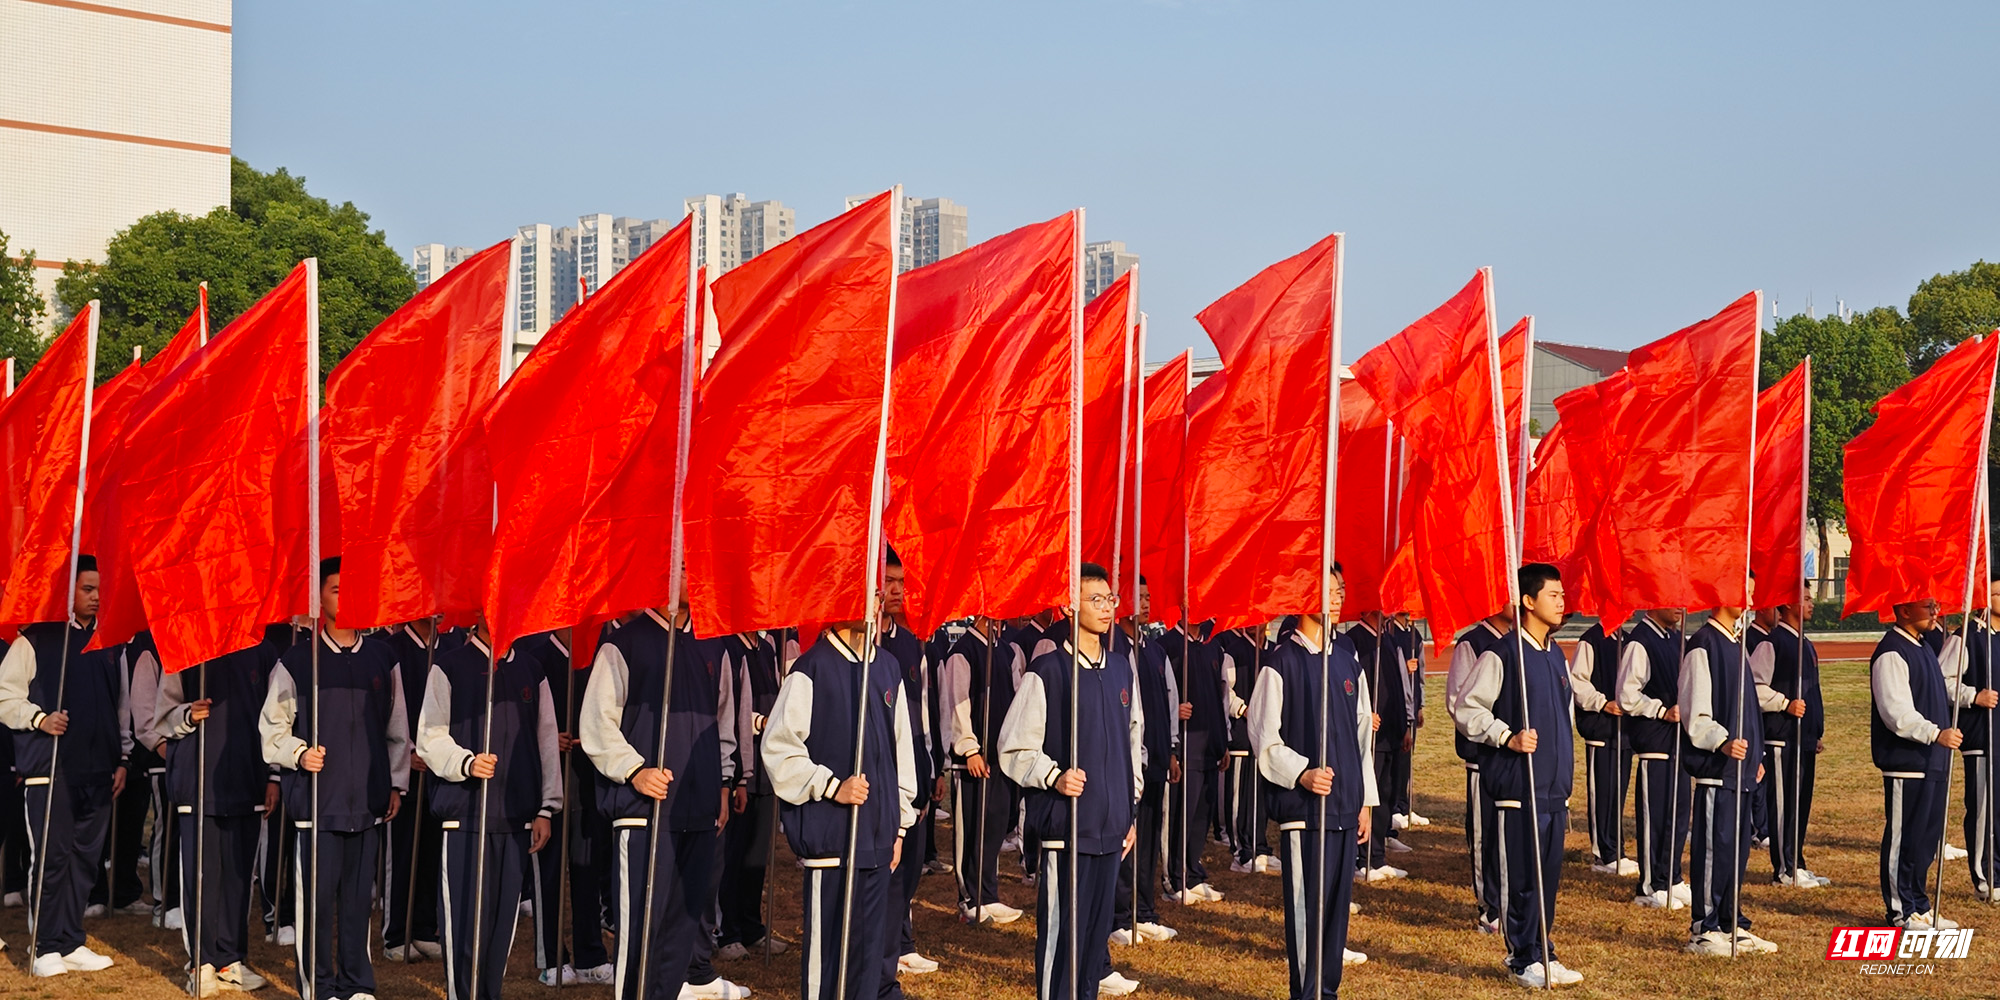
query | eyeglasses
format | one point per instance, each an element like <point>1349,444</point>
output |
<point>1102,602</point>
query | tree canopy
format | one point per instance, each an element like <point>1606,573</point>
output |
<point>21,309</point>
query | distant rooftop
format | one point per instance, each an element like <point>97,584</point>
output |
<point>1601,360</point>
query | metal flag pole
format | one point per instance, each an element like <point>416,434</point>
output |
<point>41,850</point>
<point>690,357</point>
<point>1075,581</point>
<point>771,842</point>
<point>1992,836</point>
<point>1673,779</point>
<point>871,575</point>
<point>1743,640</point>
<point>200,822</point>
<point>1797,832</point>
<point>1134,430</point>
<point>1323,571</point>
<point>565,939</point>
<point>1971,558</point>
<point>309,960</point>
<point>417,828</point>
<point>1617,635</point>
<point>985,730</point>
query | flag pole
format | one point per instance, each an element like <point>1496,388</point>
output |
<point>1743,636</point>
<point>1135,369</point>
<point>991,636</point>
<point>309,956</point>
<point>690,356</point>
<point>1797,834</point>
<point>416,829</point>
<point>871,575</point>
<point>1971,560</point>
<point>62,668</point>
<point>564,935</point>
<point>1323,571</point>
<point>1075,580</point>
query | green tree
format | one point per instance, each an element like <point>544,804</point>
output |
<point>1948,308</point>
<point>1855,363</point>
<point>21,309</point>
<point>149,276</point>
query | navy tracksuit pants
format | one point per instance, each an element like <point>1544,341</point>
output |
<point>1096,884</point>
<point>1981,837</point>
<point>1913,809</point>
<point>230,846</point>
<point>819,953</point>
<point>1518,840</point>
<point>683,890</point>
<point>479,927</point>
<point>1788,792</point>
<point>1317,866</point>
<point>1189,805</point>
<point>1719,853</point>
<point>345,883</point>
<point>78,820</point>
<point>1248,839</point>
<point>1607,775</point>
<point>415,838</point>
<point>977,838</point>
<point>1144,860</point>
<point>1664,792</point>
<point>1482,837</point>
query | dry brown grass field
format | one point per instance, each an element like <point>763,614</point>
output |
<point>1418,932</point>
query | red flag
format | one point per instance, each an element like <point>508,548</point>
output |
<point>44,429</point>
<point>1778,509</point>
<point>979,472</point>
<point>1914,482</point>
<point>110,407</point>
<point>217,484</point>
<point>584,446</point>
<point>1437,380</point>
<point>788,434</point>
<point>120,613</point>
<point>1162,507</point>
<point>1108,326</point>
<point>1257,457</point>
<point>403,436</point>
<point>1676,511</point>
<point>1565,527</point>
<point>1362,534</point>
<point>1514,361</point>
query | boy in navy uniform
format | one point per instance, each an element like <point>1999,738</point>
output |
<point>1139,874</point>
<point>506,794</point>
<point>1648,694</point>
<point>1911,736</point>
<point>899,942</point>
<point>214,708</point>
<point>620,730</point>
<point>1410,645</point>
<point>1982,840</point>
<point>1242,655</point>
<point>1099,776</point>
<point>808,752</point>
<point>980,674</point>
<point>1787,672</point>
<point>49,689</point>
<point>746,841</point>
<point>1382,664</point>
<point>1723,752</point>
<point>1481,820</point>
<point>1203,712</point>
<point>414,836</point>
<point>359,759</point>
<point>163,847</point>
<point>1516,706</point>
<point>1313,729</point>
<point>1607,754</point>
<point>590,836</point>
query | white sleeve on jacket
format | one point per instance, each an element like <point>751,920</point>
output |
<point>597,723</point>
<point>725,722</point>
<point>746,720</point>
<point>1173,704</point>
<point>17,672</point>
<point>1235,707</point>
<point>171,713</point>
<point>1136,731</point>
<point>1889,682</point>
<point>399,732</point>
<point>1021,736</point>
<point>1953,662</point>
<point>1633,672</point>
<point>906,764</point>
<point>274,723</point>
<point>1279,764</point>
<point>1698,719</point>
<point>1581,686</point>
<point>794,775</point>
<point>1457,676</point>
<point>1763,667</point>
<point>1479,693</point>
<point>551,754</point>
<point>956,684</point>
<point>125,727</point>
<point>442,754</point>
<point>1364,722</point>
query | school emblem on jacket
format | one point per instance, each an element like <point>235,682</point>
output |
<point>1348,684</point>
<point>889,697</point>
<point>1125,697</point>
<point>527,694</point>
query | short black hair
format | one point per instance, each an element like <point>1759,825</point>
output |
<point>86,564</point>
<point>1335,568</point>
<point>330,566</point>
<point>1142,579</point>
<point>1092,571</point>
<point>892,558</point>
<point>1534,576</point>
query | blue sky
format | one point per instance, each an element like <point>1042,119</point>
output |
<point>1625,169</point>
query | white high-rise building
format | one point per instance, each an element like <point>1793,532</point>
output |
<point>546,281</point>
<point>113,110</point>
<point>1103,263</point>
<point>432,260</point>
<point>932,229</point>
<point>730,229</point>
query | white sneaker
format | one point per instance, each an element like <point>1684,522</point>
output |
<point>1751,943</point>
<point>50,964</point>
<point>1149,931</point>
<point>1010,844</point>
<point>85,960</point>
<point>1399,821</point>
<point>361,996</point>
<point>1242,869</point>
<point>595,975</point>
<point>1394,846</point>
<point>1564,975</point>
<point>1929,922</point>
<point>95,910</point>
<point>1714,944</point>
<point>397,953</point>
<point>1269,864</point>
<point>720,989</point>
<point>1815,876</point>
<point>1416,820</point>
<point>203,983</point>
<point>1610,869</point>
<point>1122,937</point>
<point>1651,900</point>
<point>1353,908</point>
<point>1533,977</point>
<point>287,936</point>
<point>1116,985</point>
<point>991,913</point>
<point>549,977</point>
<point>1349,956</point>
<point>1386,873</point>
<point>1209,892</point>
<point>1798,880</point>
<point>941,815</point>
<point>1683,896</point>
<point>1187,897</point>
<point>1487,926</point>
<point>1953,852</point>
<point>12,899</point>
<point>137,908</point>
<point>527,908</point>
<point>240,977</point>
<point>428,949</point>
<point>1627,866</point>
<point>172,921</point>
<point>914,964</point>
<point>1760,843</point>
<point>732,952</point>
